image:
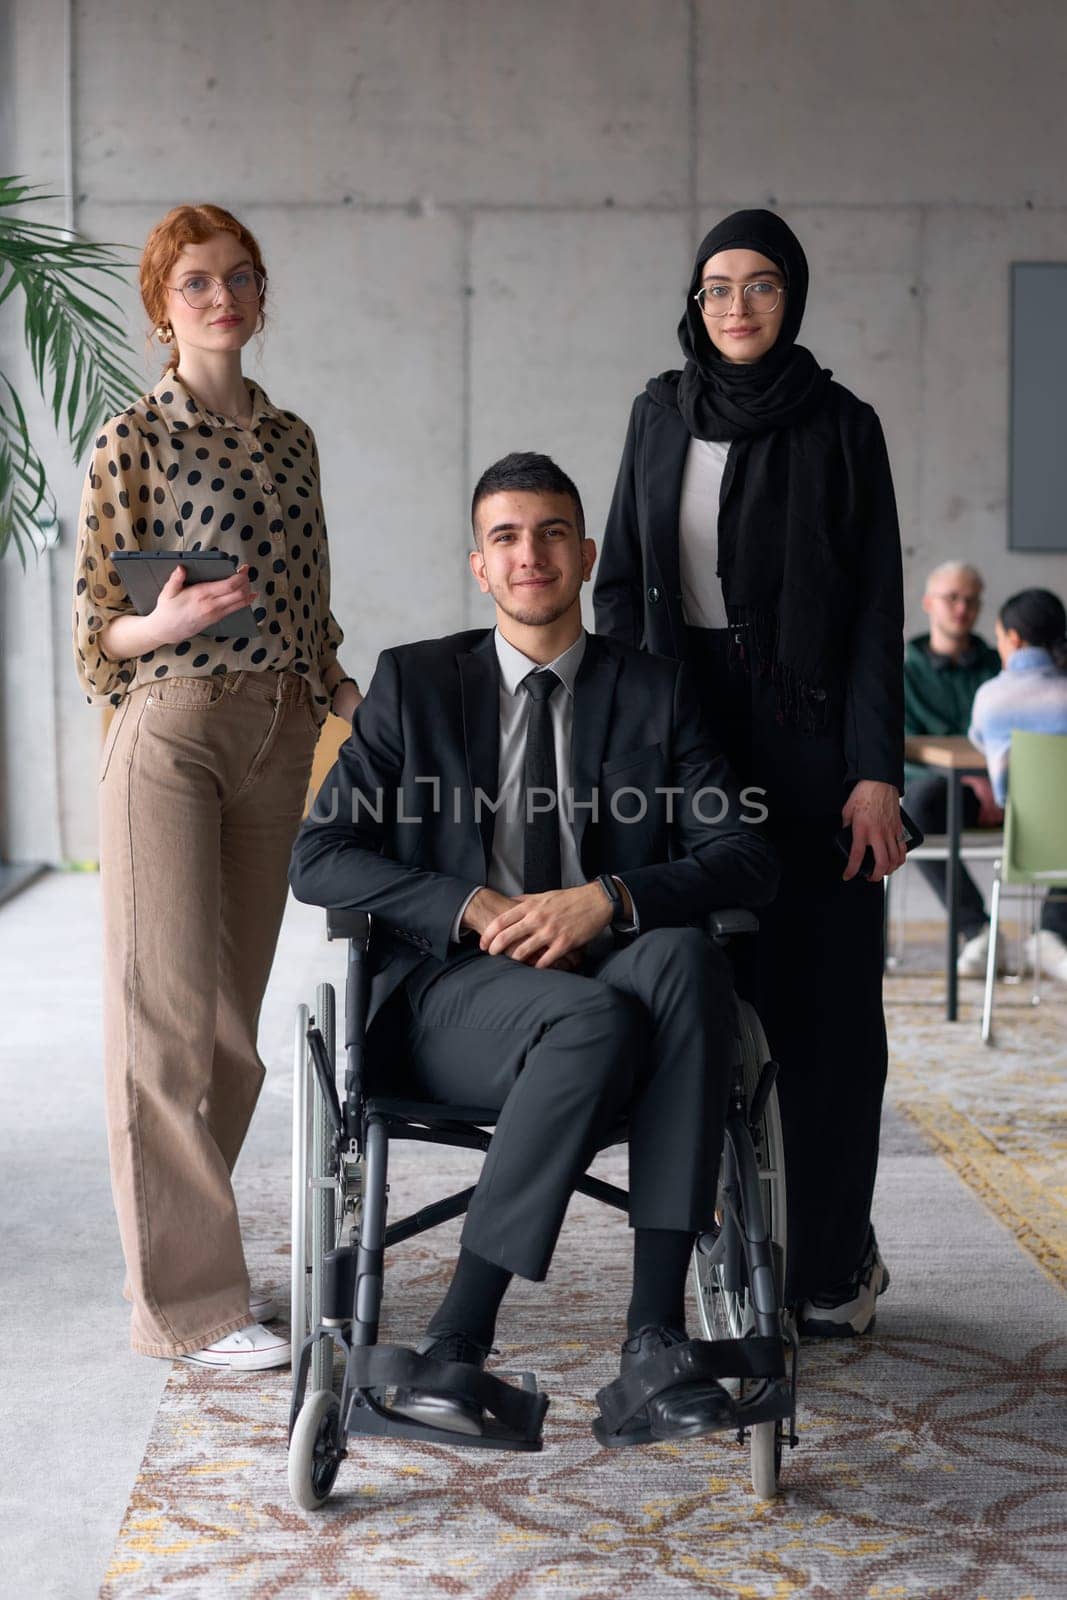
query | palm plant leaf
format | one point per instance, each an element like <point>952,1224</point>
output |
<point>25,498</point>
<point>76,344</point>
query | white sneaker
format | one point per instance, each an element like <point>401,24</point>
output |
<point>250,1349</point>
<point>1053,954</point>
<point>974,957</point>
<point>847,1310</point>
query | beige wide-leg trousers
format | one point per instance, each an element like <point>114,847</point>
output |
<point>202,787</point>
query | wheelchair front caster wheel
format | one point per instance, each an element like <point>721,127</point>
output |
<point>765,1457</point>
<point>314,1450</point>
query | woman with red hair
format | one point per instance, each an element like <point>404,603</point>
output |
<point>203,774</point>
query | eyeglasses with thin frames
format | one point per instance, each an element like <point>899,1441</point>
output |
<point>201,291</point>
<point>761,297</point>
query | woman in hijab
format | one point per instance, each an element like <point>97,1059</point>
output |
<point>753,532</point>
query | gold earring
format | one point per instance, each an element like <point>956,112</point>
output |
<point>164,333</point>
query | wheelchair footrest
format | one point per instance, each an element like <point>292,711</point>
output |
<point>513,1415</point>
<point>622,1401</point>
<point>768,1402</point>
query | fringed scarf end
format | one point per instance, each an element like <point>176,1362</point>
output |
<point>798,703</point>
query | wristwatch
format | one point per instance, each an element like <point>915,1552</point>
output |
<point>611,889</point>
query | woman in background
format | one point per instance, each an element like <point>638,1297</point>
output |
<point>753,532</point>
<point>203,775</point>
<point>1028,696</point>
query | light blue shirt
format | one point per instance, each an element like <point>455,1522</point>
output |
<point>1028,696</point>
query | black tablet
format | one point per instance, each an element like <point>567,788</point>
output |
<point>144,572</point>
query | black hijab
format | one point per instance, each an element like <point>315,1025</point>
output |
<point>722,399</point>
<point>779,573</point>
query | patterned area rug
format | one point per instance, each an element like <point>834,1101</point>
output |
<point>931,1461</point>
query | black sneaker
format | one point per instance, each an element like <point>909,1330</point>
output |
<point>436,1407</point>
<point>847,1310</point>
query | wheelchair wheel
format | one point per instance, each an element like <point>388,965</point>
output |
<point>719,1274</point>
<point>314,1450</point>
<point>314,1187</point>
<point>723,1302</point>
<point>765,1440</point>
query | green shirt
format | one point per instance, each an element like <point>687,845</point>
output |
<point>939,690</point>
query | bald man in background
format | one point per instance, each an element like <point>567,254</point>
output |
<point>943,670</point>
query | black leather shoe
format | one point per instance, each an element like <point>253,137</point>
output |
<point>436,1407</point>
<point>686,1409</point>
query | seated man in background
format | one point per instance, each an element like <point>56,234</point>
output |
<point>943,669</point>
<point>539,823</point>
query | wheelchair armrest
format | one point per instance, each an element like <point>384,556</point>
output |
<point>721,924</point>
<point>342,922</point>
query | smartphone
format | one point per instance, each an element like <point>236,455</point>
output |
<point>912,836</point>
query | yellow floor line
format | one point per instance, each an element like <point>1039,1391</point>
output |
<point>1028,1208</point>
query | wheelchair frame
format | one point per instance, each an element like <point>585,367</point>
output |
<point>340,1235</point>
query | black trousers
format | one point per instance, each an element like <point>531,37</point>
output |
<point>817,984</point>
<point>1054,913</point>
<point>814,973</point>
<point>927,801</point>
<point>646,1033</point>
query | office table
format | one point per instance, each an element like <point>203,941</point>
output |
<point>956,757</point>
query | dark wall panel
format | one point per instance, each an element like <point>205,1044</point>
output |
<point>1038,518</point>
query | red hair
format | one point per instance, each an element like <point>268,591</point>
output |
<point>187,225</point>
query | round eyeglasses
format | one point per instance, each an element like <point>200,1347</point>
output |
<point>760,297</point>
<point>202,291</point>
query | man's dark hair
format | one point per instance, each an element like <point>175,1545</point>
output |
<point>526,470</point>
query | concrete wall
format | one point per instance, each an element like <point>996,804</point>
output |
<point>479,219</point>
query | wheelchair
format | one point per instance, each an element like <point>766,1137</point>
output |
<point>340,1234</point>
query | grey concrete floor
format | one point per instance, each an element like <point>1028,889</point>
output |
<point>76,1405</point>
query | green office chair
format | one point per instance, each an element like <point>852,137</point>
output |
<point>1035,834</point>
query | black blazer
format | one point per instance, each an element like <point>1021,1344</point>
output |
<point>394,829</point>
<point>638,599</point>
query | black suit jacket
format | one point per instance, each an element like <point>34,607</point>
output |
<point>395,829</point>
<point>638,598</point>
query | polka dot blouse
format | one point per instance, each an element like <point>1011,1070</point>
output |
<point>169,475</point>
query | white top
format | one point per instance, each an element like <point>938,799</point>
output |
<point>698,534</point>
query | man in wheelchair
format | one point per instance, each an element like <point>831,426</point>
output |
<point>540,826</point>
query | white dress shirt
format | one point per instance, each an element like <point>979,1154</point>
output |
<point>509,824</point>
<point>703,605</point>
<point>509,830</point>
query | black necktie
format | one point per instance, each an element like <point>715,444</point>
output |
<point>541,868</point>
